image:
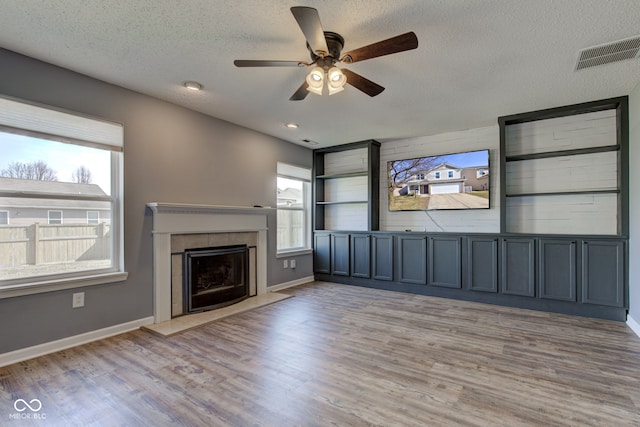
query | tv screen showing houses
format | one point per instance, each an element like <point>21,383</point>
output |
<point>450,181</point>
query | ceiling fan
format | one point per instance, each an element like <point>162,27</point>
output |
<point>325,48</point>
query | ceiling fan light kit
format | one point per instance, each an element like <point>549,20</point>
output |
<point>325,48</point>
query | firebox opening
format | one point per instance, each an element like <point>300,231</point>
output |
<point>215,277</point>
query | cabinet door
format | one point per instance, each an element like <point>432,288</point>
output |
<point>483,264</point>
<point>382,252</point>
<point>603,273</point>
<point>340,254</point>
<point>412,259</point>
<point>361,256</point>
<point>322,253</point>
<point>444,262</point>
<point>557,269</point>
<point>518,268</point>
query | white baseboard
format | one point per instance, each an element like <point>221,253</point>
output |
<point>291,284</point>
<point>64,343</point>
<point>635,326</point>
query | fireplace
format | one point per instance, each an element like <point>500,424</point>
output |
<point>211,226</point>
<point>215,277</point>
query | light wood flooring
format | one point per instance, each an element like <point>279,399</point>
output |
<point>337,355</point>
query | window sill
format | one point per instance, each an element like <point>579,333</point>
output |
<point>297,252</point>
<point>30,288</point>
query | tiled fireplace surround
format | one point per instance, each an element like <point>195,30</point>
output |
<point>180,226</point>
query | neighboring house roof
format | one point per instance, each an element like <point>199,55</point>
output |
<point>51,187</point>
<point>443,166</point>
<point>289,194</point>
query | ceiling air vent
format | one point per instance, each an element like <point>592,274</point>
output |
<point>608,53</point>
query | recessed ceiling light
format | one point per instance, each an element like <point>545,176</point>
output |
<point>191,85</point>
<point>292,125</point>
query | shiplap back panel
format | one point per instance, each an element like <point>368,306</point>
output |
<point>562,133</point>
<point>597,171</point>
<point>573,214</point>
<point>346,189</point>
<point>563,214</point>
<point>346,217</point>
<point>345,161</point>
<point>463,221</point>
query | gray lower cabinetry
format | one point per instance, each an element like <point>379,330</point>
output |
<point>361,256</point>
<point>557,269</point>
<point>412,259</point>
<point>322,253</point>
<point>482,262</point>
<point>382,250</point>
<point>518,267</point>
<point>444,262</point>
<point>603,273</point>
<point>340,254</point>
<point>565,274</point>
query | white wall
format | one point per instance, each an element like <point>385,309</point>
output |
<point>467,221</point>
<point>634,208</point>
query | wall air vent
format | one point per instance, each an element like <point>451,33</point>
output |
<point>608,53</point>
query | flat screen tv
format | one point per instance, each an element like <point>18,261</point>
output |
<point>450,181</point>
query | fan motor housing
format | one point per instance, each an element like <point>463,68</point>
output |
<point>335,43</point>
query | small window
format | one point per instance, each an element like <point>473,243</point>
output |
<point>437,175</point>
<point>293,208</point>
<point>55,217</point>
<point>450,174</point>
<point>93,217</point>
<point>4,217</point>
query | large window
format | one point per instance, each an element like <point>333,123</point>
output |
<point>61,185</point>
<point>294,205</point>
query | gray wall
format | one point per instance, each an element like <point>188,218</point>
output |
<point>634,204</point>
<point>171,155</point>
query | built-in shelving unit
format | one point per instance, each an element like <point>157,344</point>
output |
<point>563,170</point>
<point>345,189</point>
<point>563,240</point>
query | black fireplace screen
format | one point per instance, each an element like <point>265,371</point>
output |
<point>215,277</point>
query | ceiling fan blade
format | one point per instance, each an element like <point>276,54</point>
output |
<point>309,22</point>
<point>395,44</point>
<point>301,93</point>
<point>363,84</point>
<point>259,63</point>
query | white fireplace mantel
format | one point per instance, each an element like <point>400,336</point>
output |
<point>177,218</point>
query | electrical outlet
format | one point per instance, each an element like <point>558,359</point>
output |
<point>285,264</point>
<point>78,300</point>
<point>292,263</point>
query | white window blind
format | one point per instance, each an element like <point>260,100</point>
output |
<point>21,116</point>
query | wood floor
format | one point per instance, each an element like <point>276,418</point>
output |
<point>345,356</point>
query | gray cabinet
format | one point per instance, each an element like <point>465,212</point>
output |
<point>557,269</point>
<point>603,273</point>
<point>518,267</point>
<point>412,259</point>
<point>382,254</point>
<point>444,262</point>
<point>361,255</point>
<point>482,264</point>
<point>322,253</point>
<point>340,254</point>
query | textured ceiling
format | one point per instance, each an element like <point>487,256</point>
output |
<point>476,60</point>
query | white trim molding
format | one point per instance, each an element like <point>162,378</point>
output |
<point>73,341</point>
<point>635,326</point>
<point>291,284</point>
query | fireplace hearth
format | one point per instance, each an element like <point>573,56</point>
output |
<point>215,277</point>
